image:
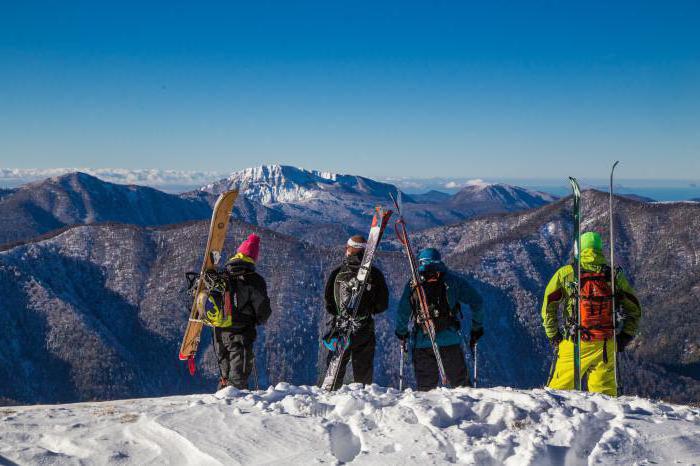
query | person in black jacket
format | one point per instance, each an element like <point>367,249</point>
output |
<point>246,305</point>
<point>374,301</point>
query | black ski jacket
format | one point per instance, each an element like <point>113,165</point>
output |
<point>252,301</point>
<point>375,298</point>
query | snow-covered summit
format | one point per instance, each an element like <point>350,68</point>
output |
<point>486,197</point>
<point>355,425</point>
<point>269,184</point>
<point>509,189</point>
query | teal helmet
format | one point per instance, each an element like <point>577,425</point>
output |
<point>429,260</point>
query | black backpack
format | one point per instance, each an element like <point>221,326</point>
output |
<point>436,295</point>
<point>344,283</point>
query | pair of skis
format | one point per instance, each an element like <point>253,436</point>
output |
<point>351,307</point>
<point>424,318</point>
<point>577,273</point>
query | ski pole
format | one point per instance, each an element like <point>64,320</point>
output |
<point>255,371</point>
<point>402,364</point>
<point>612,273</point>
<point>466,345</point>
<point>216,353</point>
<point>476,367</point>
<point>553,366</point>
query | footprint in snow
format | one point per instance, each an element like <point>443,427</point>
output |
<point>345,445</point>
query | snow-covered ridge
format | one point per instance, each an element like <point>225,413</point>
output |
<point>373,425</point>
<point>448,184</point>
<point>276,183</point>
<point>509,189</point>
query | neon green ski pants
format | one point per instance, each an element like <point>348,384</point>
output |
<point>597,366</point>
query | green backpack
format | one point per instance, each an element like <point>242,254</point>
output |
<point>221,302</point>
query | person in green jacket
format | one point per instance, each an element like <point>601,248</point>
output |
<point>598,339</point>
<point>445,292</point>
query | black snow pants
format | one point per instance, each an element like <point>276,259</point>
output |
<point>234,351</point>
<point>426,369</point>
<point>361,351</point>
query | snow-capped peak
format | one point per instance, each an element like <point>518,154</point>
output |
<point>481,195</point>
<point>276,183</point>
<point>478,182</point>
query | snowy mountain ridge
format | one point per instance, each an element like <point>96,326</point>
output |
<point>270,184</point>
<point>354,425</point>
<point>480,185</point>
<point>338,204</point>
<point>316,206</point>
<point>485,198</point>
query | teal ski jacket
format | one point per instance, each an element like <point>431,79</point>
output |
<point>458,292</point>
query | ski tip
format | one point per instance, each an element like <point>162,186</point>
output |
<point>574,184</point>
<point>184,357</point>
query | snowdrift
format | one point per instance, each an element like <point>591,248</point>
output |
<point>373,425</point>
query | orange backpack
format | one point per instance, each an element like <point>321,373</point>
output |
<point>597,312</point>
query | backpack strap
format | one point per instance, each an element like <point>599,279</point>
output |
<point>227,304</point>
<point>231,296</point>
<point>336,289</point>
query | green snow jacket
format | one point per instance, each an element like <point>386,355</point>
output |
<point>560,288</point>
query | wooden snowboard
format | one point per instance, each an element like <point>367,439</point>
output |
<point>212,255</point>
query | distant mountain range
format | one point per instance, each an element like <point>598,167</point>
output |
<point>314,206</point>
<point>307,202</point>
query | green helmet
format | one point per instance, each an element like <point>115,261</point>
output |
<point>591,240</point>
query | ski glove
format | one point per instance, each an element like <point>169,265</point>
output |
<point>401,336</point>
<point>623,339</point>
<point>476,334</point>
<point>555,340</point>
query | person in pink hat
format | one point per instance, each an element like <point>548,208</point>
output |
<point>247,307</point>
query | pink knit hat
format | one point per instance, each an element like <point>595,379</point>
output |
<point>250,247</point>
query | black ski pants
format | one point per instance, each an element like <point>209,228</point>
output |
<point>426,368</point>
<point>234,352</point>
<point>361,351</point>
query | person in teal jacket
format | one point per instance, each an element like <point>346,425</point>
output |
<point>445,292</point>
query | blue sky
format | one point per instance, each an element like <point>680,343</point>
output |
<point>492,89</point>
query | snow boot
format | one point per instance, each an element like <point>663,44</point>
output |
<point>223,383</point>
